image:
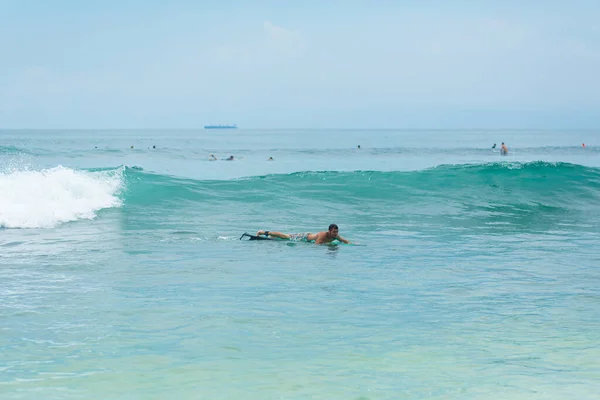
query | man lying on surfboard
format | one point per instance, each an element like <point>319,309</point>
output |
<point>319,238</point>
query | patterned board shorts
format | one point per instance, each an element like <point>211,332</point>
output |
<point>299,237</point>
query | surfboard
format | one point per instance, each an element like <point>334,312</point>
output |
<point>255,237</point>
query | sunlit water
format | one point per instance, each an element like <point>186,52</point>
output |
<point>471,276</point>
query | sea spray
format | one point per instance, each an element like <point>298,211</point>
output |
<point>46,198</point>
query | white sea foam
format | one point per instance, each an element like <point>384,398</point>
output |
<point>46,198</point>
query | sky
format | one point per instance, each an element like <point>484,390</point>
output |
<point>314,64</point>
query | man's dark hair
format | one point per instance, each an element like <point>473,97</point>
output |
<point>333,226</point>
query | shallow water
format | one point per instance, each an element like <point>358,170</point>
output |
<point>123,276</point>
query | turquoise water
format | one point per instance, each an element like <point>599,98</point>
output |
<point>123,277</point>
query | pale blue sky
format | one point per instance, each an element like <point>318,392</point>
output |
<point>272,64</point>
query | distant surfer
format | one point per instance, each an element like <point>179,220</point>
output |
<point>270,159</point>
<point>229,159</point>
<point>504,149</point>
<point>212,158</point>
<point>494,146</point>
<point>319,238</point>
<point>358,146</point>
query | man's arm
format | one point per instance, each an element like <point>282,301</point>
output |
<point>341,239</point>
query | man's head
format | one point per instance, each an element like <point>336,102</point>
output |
<point>333,230</point>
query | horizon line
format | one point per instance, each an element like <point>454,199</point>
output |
<point>303,129</point>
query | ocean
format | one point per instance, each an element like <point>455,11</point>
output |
<point>470,275</point>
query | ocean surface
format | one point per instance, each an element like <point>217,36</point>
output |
<point>471,275</point>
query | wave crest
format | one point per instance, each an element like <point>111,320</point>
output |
<point>46,198</point>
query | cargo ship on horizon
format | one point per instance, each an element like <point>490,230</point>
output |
<point>234,126</point>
